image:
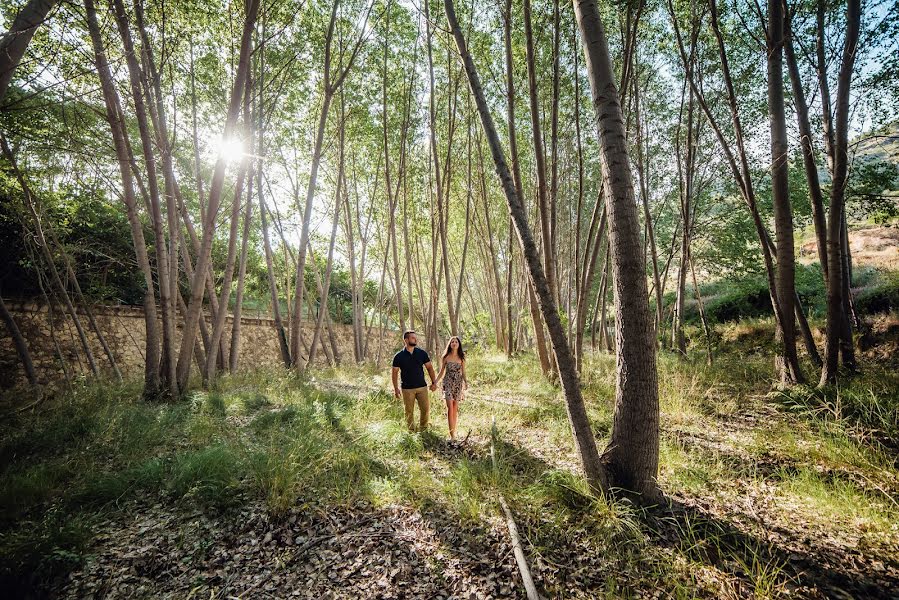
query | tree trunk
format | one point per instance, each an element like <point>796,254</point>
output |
<point>837,319</point>
<point>642,172</point>
<point>234,349</point>
<point>632,456</point>
<point>355,295</point>
<point>326,285</point>
<point>539,340</point>
<point>218,327</point>
<point>195,307</point>
<point>19,342</point>
<point>122,149</point>
<point>577,412</point>
<point>392,193</point>
<point>705,323</point>
<point>14,42</point>
<point>816,197</point>
<point>539,159</point>
<point>780,192</point>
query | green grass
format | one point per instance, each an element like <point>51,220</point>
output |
<point>336,437</point>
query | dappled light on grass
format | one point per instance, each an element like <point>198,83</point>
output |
<point>742,461</point>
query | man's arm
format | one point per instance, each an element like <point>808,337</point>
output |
<point>396,387</point>
<point>430,368</point>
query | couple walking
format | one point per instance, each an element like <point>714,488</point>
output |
<point>409,364</point>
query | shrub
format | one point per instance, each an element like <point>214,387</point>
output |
<point>881,297</point>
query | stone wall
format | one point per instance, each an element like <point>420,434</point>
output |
<point>50,334</point>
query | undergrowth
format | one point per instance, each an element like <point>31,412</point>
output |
<point>336,437</point>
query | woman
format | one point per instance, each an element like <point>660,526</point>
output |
<point>455,381</point>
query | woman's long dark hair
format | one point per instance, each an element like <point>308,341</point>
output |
<point>460,351</point>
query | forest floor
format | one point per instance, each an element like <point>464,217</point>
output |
<point>272,486</point>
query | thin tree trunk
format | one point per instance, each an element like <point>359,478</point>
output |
<point>234,349</point>
<point>21,346</point>
<point>705,324</point>
<point>296,320</point>
<point>218,326</point>
<point>122,149</point>
<point>539,158</point>
<point>330,85</point>
<point>539,340</point>
<point>468,195</point>
<point>355,299</point>
<point>816,197</point>
<point>554,152</point>
<point>195,307</point>
<point>837,318</point>
<point>41,242</point>
<point>326,285</point>
<point>391,192</point>
<point>577,412</point>
<point>647,214</point>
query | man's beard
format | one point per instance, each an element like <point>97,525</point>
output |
<point>413,344</point>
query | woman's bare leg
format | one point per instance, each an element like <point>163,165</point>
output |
<point>452,415</point>
<point>449,418</point>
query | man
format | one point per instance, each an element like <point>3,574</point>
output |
<point>408,363</point>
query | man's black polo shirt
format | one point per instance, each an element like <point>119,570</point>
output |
<point>410,364</point>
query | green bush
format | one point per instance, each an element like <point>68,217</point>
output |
<point>881,297</point>
<point>729,300</point>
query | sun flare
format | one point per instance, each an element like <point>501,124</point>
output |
<point>230,150</point>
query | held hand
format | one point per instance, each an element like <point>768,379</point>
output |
<point>396,392</point>
<point>433,387</point>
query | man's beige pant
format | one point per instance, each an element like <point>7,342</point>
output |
<point>410,396</point>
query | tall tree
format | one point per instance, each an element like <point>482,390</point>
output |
<point>780,192</point>
<point>837,275</point>
<point>577,412</point>
<point>632,456</point>
<point>331,83</point>
<point>195,307</point>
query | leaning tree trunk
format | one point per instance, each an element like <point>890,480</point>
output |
<point>195,307</point>
<point>41,242</point>
<point>19,341</point>
<point>577,412</point>
<point>15,41</point>
<point>539,340</point>
<point>218,327</point>
<point>330,85</point>
<point>122,145</point>
<point>632,456</point>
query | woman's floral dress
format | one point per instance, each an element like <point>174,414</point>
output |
<point>452,381</point>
